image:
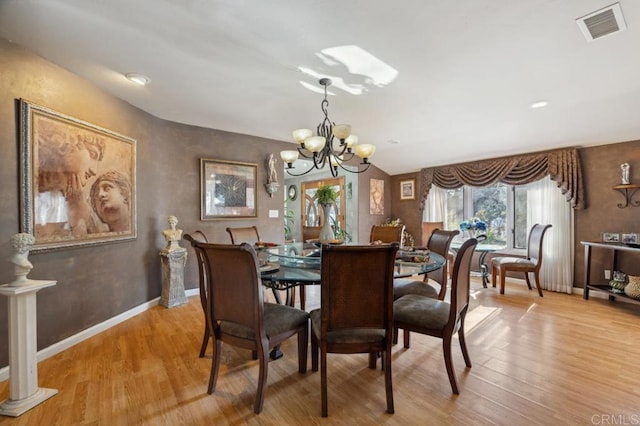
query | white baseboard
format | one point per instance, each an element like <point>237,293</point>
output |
<point>70,341</point>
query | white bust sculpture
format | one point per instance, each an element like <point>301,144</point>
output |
<point>21,244</point>
<point>172,235</point>
<point>625,173</point>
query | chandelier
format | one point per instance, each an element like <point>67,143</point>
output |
<point>333,145</point>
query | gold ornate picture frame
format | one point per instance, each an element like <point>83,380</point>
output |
<point>408,189</point>
<point>227,189</point>
<point>77,180</point>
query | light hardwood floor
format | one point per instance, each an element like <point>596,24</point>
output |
<point>557,360</point>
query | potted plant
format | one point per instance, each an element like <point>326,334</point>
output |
<point>326,195</point>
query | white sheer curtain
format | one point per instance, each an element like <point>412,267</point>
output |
<point>547,205</point>
<point>434,207</point>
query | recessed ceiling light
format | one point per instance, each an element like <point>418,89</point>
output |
<point>539,104</point>
<point>140,79</point>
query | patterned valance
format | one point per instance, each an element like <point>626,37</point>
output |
<point>562,165</point>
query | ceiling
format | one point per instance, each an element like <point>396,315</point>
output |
<point>467,71</point>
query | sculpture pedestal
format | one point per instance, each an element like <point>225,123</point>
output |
<point>173,262</point>
<point>24,392</point>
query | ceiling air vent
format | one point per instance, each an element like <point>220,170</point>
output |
<point>602,22</point>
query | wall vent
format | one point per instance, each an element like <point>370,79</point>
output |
<point>602,22</point>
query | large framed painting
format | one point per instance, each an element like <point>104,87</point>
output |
<point>77,181</point>
<point>227,189</point>
<point>376,196</point>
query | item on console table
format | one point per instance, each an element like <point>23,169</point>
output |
<point>633,288</point>
<point>617,286</point>
<point>619,282</point>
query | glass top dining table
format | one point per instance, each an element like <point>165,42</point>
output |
<point>295,264</point>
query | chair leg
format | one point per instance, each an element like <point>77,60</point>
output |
<point>396,330</point>
<point>405,334</point>
<point>303,343</point>
<point>388,386</point>
<point>314,352</point>
<point>303,297</point>
<point>526,278</point>
<point>446,348</point>
<point>503,273</point>
<point>463,342</point>
<point>537,278</point>
<point>215,365</point>
<point>262,377</point>
<point>323,381</point>
<point>205,340</point>
<point>493,274</point>
<point>373,360</point>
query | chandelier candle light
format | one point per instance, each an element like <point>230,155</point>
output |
<point>321,148</point>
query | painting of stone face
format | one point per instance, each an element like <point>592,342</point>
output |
<point>78,180</point>
<point>376,196</point>
<point>228,189</point>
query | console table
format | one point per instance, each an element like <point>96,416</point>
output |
<point>614,248</point>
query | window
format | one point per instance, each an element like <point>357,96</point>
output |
<point>502,207</point>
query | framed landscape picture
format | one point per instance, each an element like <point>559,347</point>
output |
<point>630,238</point>
<point>77,180</point>
<point>407,189</point>
<point>227,189</point>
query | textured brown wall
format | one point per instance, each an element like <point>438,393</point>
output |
<point>407,210</point>
<point>601,169</point>
<point>98,283</point>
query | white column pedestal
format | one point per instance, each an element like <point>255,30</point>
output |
<point>24,392</point>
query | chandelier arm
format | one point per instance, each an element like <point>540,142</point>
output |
<point>298,174</point>
<point>301,152</point>
<point>357,171</point>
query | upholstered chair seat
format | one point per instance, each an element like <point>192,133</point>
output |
<point>424,312</point>
<point>360,335</point>
<point>404,286</point>
<point>513,262</point>
<point>277,320</point>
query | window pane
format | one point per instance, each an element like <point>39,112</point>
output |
<point>454,209</point>
<point>520,222</point>
<point>490,206</point>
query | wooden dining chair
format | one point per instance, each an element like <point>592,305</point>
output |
<point>311,233</point>
<point>238,315</point>
<point>427,230</point>
<point>439,243</point>
<point>531,264</point>
<point>248,234</point>
<point>387,234</point>
<point>356,316</point>
<point>200,237</point>
<point>433,317</point>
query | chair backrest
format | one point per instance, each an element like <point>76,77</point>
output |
<point>460,282</point>
<point>199,237</point>
<point>387,234</point>
<point>247,235</point>
<point>235,288</point>
<point>311,233</point>
<point>439,242</point>
<point>357,287</point>
<point>427,230</point>
<point>534,245</point>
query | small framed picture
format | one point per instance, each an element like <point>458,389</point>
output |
<point>610,237</point>
<point>408,189</point>
<point>630,238</point>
